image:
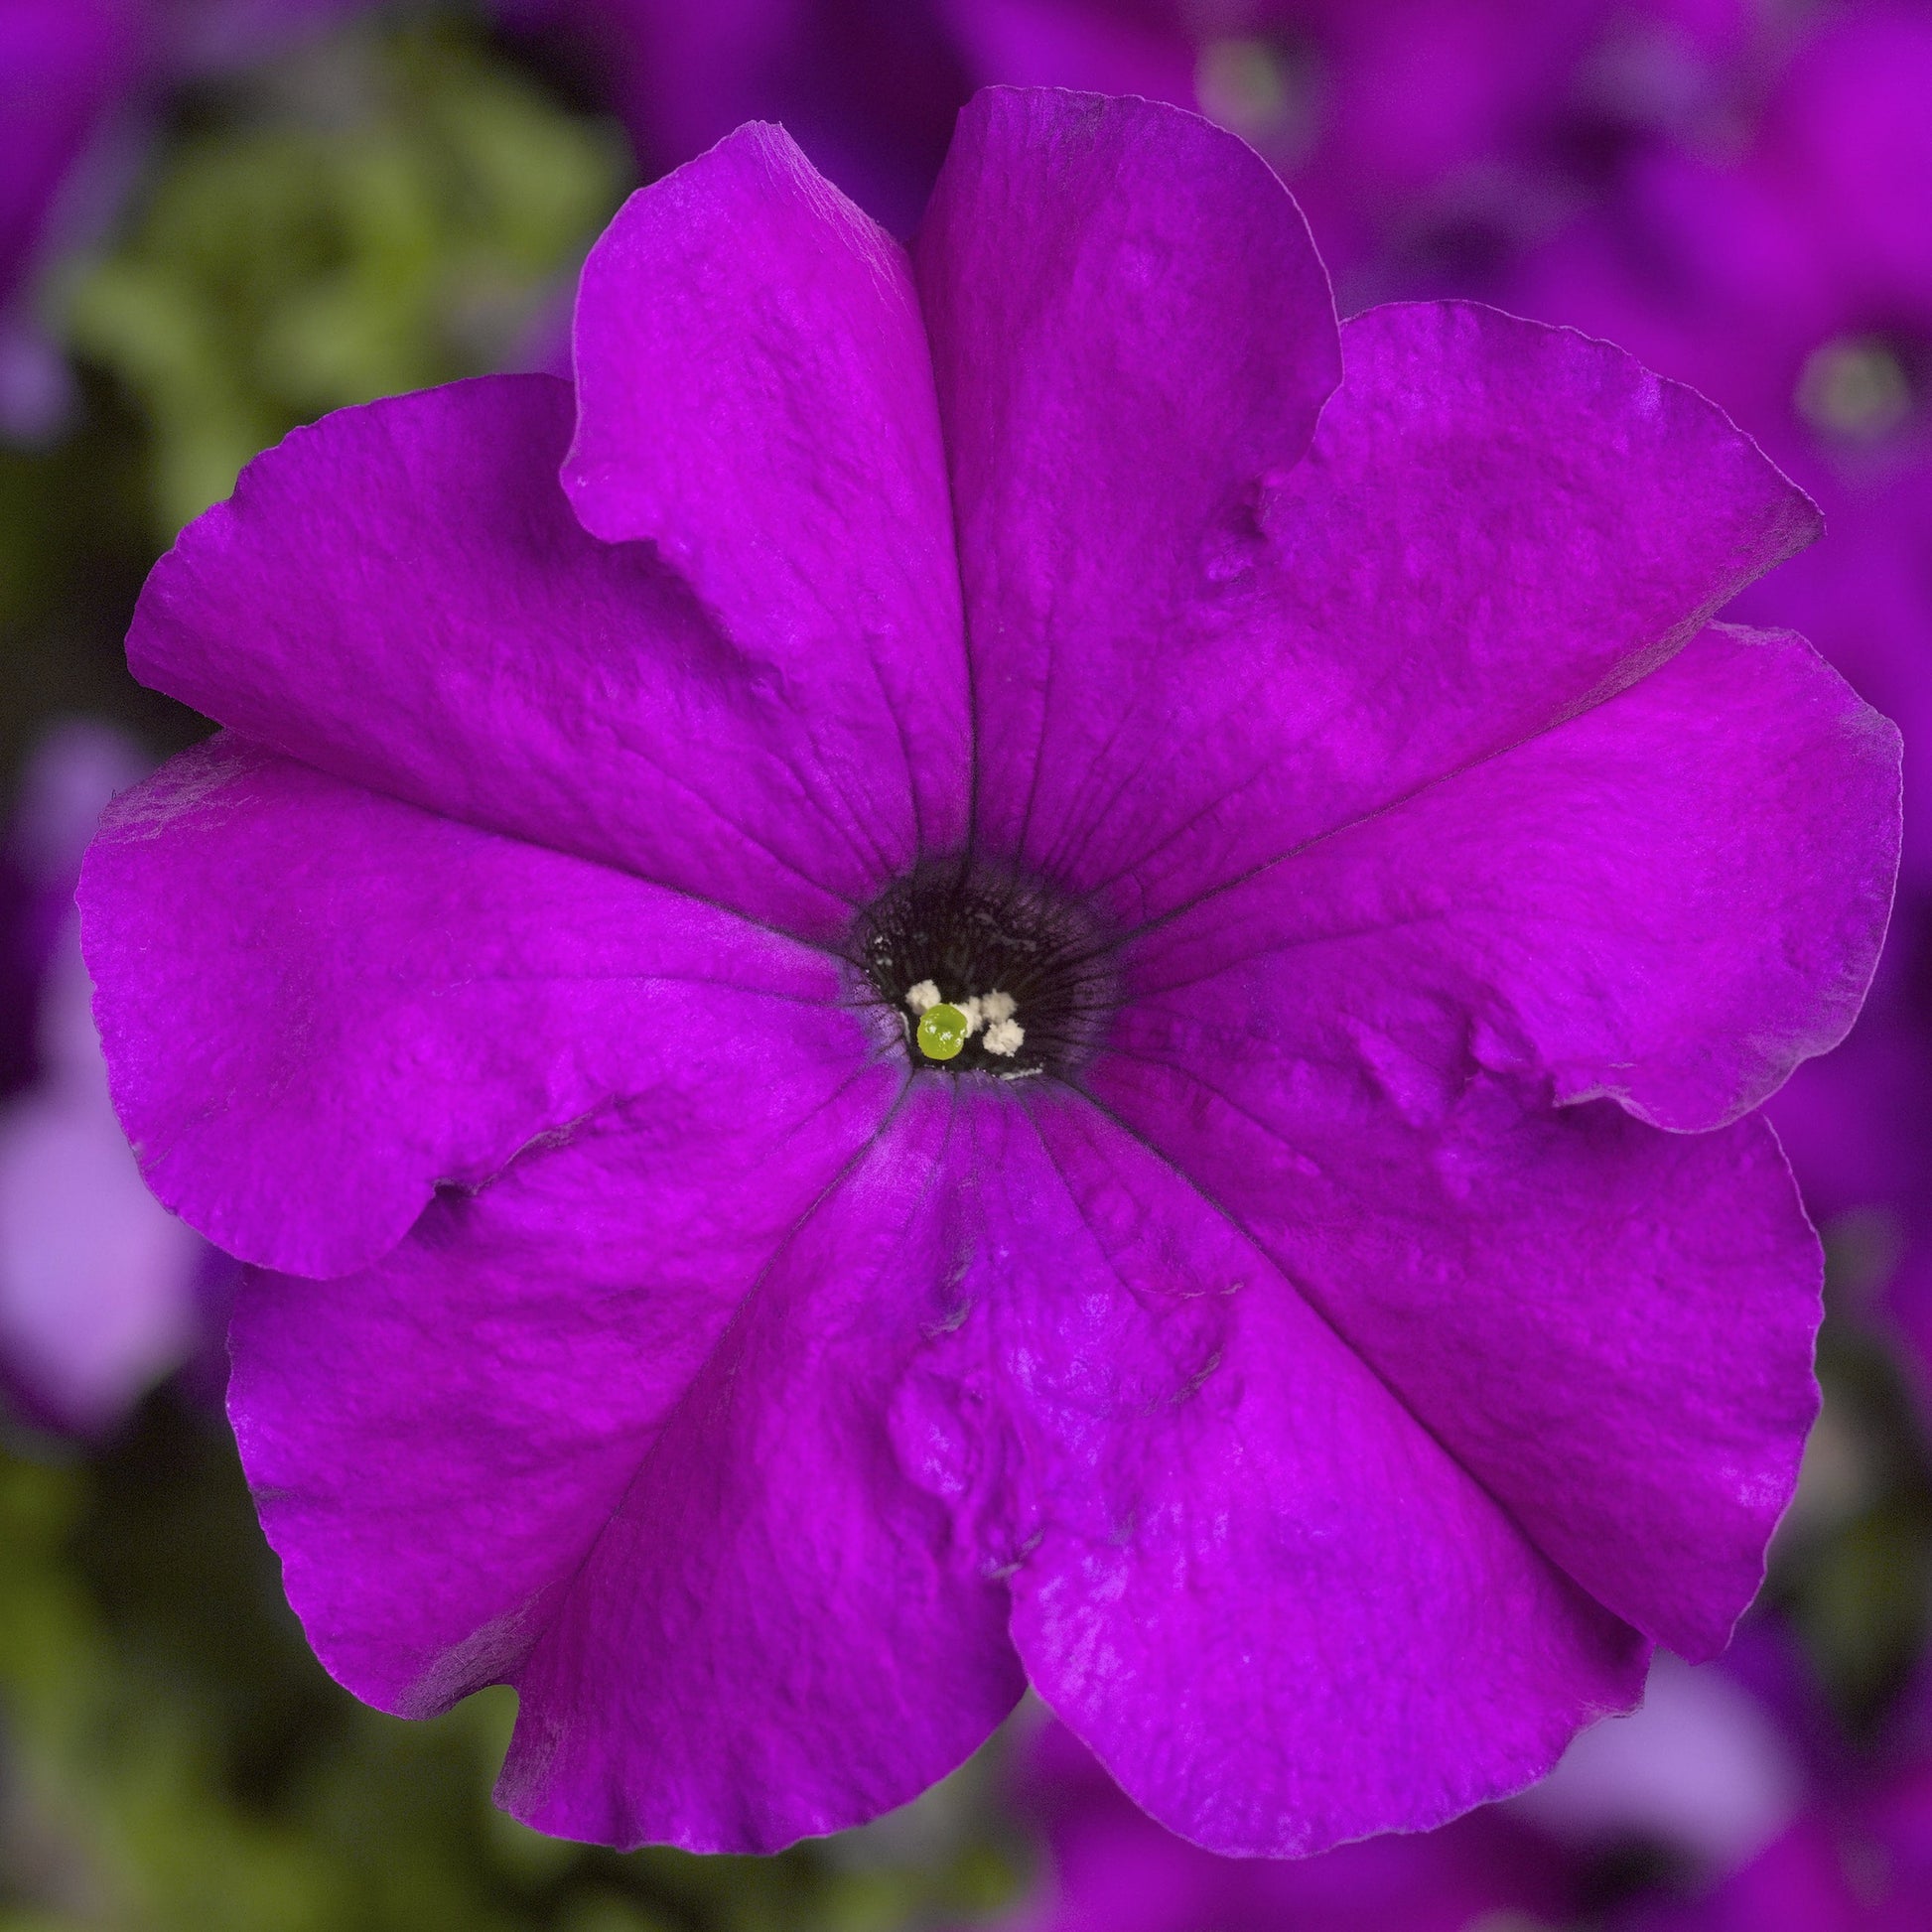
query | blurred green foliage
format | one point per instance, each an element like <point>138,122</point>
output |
<point>1851,1564</point>
<point>73,548</point>
<point>170,1756</point>
<point>392,208</point>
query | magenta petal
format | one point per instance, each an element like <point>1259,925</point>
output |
<point>1132,337</point>
<point>401,596</point>
<point>319,1004</point>
<point>1497,525</point>
<point>1275,1607</point>
<point>1609,1326</point>
<point>1672,899</point>
<point>754,398</point>
<point>778,1633</point>
<point>437,1444</point>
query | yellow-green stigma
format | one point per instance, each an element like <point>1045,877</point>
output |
<point>942,1033</point>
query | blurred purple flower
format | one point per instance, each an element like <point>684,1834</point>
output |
<point>103,1291</point>
<point>65,64</point>
<point>1111,1869</point>
<point>869,89</point>
<point>1702,1768</point>
<point>1322,1377</point>
<point>1794,287</point>
<point>1413,131</point>
<point>1862,1865</point>
<point>1412,126</point>
<point>76,79</point>
<point>1770,1820</point>
<point>1857,1859</point>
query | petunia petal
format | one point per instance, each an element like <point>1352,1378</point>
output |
<point>756,399</point>
<point>319,1005</point>
<point>1496,525</point>
<point>1133,336</point>
<point>1253,1582</point>
<point>436,1443</point>
<point>1671,899</point>
<point>401,596</point>
<point>778,1633</point>
<point>1609,1326</point>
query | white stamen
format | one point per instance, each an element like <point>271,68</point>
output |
<point>922,998</point>
<point>1005,1037</point>
<point>996,1007</point>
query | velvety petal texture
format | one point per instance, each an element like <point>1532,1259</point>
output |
<point>1158,311</point>
<point>1281,1040</point>
<point>1233,1549</point>
<point>1318,1309</point>
<point>444,631</point>
<point>833,580</point>
<point>1173,688</point>
<point>771,1557</point>
<point>553,1323</point>
<point>1650,902</point>
<point>348,1002</point>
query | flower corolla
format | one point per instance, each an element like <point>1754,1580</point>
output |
<point>1361,1311</point>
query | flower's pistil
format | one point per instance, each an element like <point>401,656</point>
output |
<point>942,1032</point>
<point>986,972</point>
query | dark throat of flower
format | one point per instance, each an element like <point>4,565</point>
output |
<point>985,971</point>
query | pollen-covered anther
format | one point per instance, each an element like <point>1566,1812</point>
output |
<point>985,971</point>
<point>1005,1037</point>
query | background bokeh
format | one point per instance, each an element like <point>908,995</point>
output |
<point>219,218</point>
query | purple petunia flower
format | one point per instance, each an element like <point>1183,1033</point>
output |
<point>1111,1869</point>
<point>1865,1867</point>
<point>103,1291</point>
<point>63,65</point>
<point>869,88</point>
<point>1059,979</point>
<point>1416,132</point>
<point>1856,1859</point>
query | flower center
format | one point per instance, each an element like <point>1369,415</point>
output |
<point>984,971</point>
